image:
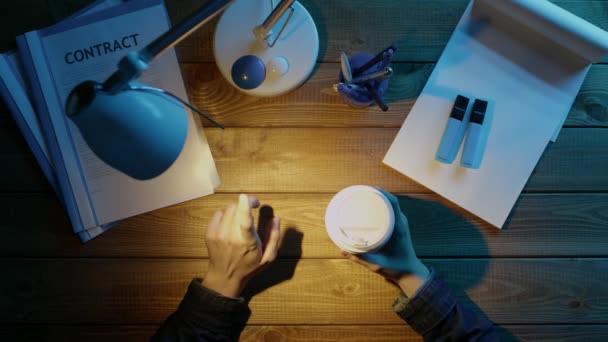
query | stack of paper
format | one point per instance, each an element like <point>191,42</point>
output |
<point>528,59</point>
<point>88,46</point>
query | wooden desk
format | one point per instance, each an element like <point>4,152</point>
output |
<point>543,277</point>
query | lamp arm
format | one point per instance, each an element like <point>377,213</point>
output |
<point>132,65</point>
<point>262,32</point>
<point>276,14</point>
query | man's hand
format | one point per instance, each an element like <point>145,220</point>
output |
<point>397,260</point>
<point>236,252</point>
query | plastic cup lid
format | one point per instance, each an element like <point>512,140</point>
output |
<point>359,219</point>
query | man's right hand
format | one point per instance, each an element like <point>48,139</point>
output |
<point>397,260</point>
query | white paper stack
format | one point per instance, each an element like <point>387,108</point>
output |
<point>88,46</point>
<point>528,59</point>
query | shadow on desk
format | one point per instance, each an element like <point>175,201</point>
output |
<point>276,273</point>
<point>443,236</point>
<point>445,239</point>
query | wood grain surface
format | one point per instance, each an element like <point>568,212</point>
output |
<point>419,28</point>
<point>541,225</point>
<point>542,278</point>
<point>289,333</point>
<point>294,291</point>
<point>328,159</point>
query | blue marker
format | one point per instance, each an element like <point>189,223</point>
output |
<point>454,131</point>
<point>472,153</point>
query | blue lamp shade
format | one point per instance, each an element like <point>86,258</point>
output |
<point>140,133</point>
<point>248,72</point>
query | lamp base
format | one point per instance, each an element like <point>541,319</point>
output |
<point>287,64</point>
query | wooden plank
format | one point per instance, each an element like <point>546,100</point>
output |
<point>541,225</point>
<point>319,333</point>
<point>316,104</point>
<point>388,333</point>
<point>591,104</point>
<point>574,155</point>
<point>321,160</point>
<point>251,333</point>
<point>329,159</point>
<point>104,333</point>
<point>563,333</point>
<point>292,291</point>
<point>312,105</point>
<point>20,171</point>
<point>329,333</point>
<point>418,28</point>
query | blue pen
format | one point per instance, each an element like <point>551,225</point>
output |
<point>379,100</point>
<point>377,76</point>
<point>385,57</point>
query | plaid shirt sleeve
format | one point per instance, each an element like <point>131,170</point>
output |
<point>434,313</point>
<point>204,315</point>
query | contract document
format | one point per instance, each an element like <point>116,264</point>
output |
<point>88,48</point>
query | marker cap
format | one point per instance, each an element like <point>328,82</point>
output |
<point>359,219</point>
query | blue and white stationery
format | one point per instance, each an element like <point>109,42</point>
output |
<point>455,129</point>
<point>529,59</point>
<point>475,143</point>
<point>16,93</point>
<point>89,47</point>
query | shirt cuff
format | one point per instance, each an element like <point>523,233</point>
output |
<point>428,306</point>
<point>205,308</point>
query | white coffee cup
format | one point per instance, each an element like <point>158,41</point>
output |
<point>359,219</point>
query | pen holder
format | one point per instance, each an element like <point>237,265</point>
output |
<point>359,96</point>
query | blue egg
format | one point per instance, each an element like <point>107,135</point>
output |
<point>248,72</point>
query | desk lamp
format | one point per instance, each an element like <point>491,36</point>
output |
<point>137,129</point>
